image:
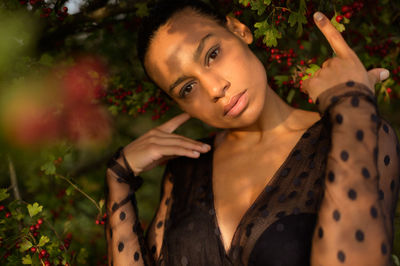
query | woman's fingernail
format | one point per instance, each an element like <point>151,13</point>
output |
<point>384,74</point>
<point>318,16</point>
<point>206,146</point>
<point>196,153</point>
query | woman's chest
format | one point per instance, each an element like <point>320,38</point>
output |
<point>239,177</point>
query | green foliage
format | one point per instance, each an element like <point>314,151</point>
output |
<point>62,185</point>
<point>34,209</point>
<point>3,194</point>
<point>270,33</point>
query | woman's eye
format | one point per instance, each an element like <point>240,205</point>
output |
<point>212,55</point>
<point>186,90</point>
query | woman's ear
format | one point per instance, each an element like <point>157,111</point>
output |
<point>239,29</point>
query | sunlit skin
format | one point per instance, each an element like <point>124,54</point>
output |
<point>255,141</point>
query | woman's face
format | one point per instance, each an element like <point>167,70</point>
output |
<point>208,69</point>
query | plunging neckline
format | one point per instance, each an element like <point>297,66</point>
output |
<point>227,252</point>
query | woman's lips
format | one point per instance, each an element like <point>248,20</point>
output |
<point>236,104</point>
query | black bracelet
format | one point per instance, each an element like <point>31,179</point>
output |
<point>125,174</point>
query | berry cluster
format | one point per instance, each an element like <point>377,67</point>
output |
<point>280,16</point>
<point>62,14</point>
<point>34,229</point>
<point>381,49</point>
<point>347,11</point>
<point>396,75</point>
<point>124,100</point>
<point>101,221</point>
<point>46,9</point>
<point>66,242</point>
<point>7,214</point>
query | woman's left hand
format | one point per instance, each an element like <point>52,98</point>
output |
<point>343,67</point>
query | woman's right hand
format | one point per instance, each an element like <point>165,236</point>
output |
<point>160,144</point>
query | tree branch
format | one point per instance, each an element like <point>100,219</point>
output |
<point>13,178</point>
<point>83,21</point>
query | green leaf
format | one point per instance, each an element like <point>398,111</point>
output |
<point>311,70</point>
<point>113,109</point>
<point>3,194</point>
<point>270,33</point>
<point>271,37</point>
<point>46,60</point>
<point>396,260</point>
<point>49,168</point>
<point>290,96</point>
<point>267,2</point>
<point>69,190</point>
<point>82,256</point>
<point>339,26</point>
<point>299,19</point>
<point>259,6</point>
<point>142,10</point>
<point>34,209</point>
<point>27,260</point>
<point>25,245</point>
<point>43,241</point>
<point>280,79</point>
<point>244,2</point>
<point>101,203</point>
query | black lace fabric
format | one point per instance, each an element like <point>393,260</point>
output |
<point>331,202</point>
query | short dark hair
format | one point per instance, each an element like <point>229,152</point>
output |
<point>159,15</point>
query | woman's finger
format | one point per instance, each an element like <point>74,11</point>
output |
<point>180,141</point>
<point>172,150</point>
<point>174,123</point>
<point>333,36</point>
<point>377,75</point>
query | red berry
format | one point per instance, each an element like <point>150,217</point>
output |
<point>346,9</point>
<point>65,9</point>
<point>32,228</point>
<point>8,214</point>
<point>43,252</point>
<point>37,226</point>
<point>40,221</point>
<point>348,15</point>
<point>33,249</point>
<point>35,234</point>
<point>46,263</point>
<point>97,221</point>
<point>1,207</point>
<point>339,18</point>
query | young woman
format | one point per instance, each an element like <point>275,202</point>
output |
<point>277,185</point>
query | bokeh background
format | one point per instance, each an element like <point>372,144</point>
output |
<point>72,91</point>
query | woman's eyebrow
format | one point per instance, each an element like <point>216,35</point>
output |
<point>179,80</point>
<point>200,48</point>
<point>196,57</point>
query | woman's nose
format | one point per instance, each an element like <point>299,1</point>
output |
<point>215,85</point>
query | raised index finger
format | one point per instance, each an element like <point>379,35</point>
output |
<point>333,36</point>
<point>174,123</point>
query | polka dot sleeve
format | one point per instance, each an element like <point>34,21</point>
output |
<point>126,244</point>
<point>355,219</point>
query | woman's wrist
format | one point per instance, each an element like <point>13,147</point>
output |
<point>331,97</point>
<point>120,166</point>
